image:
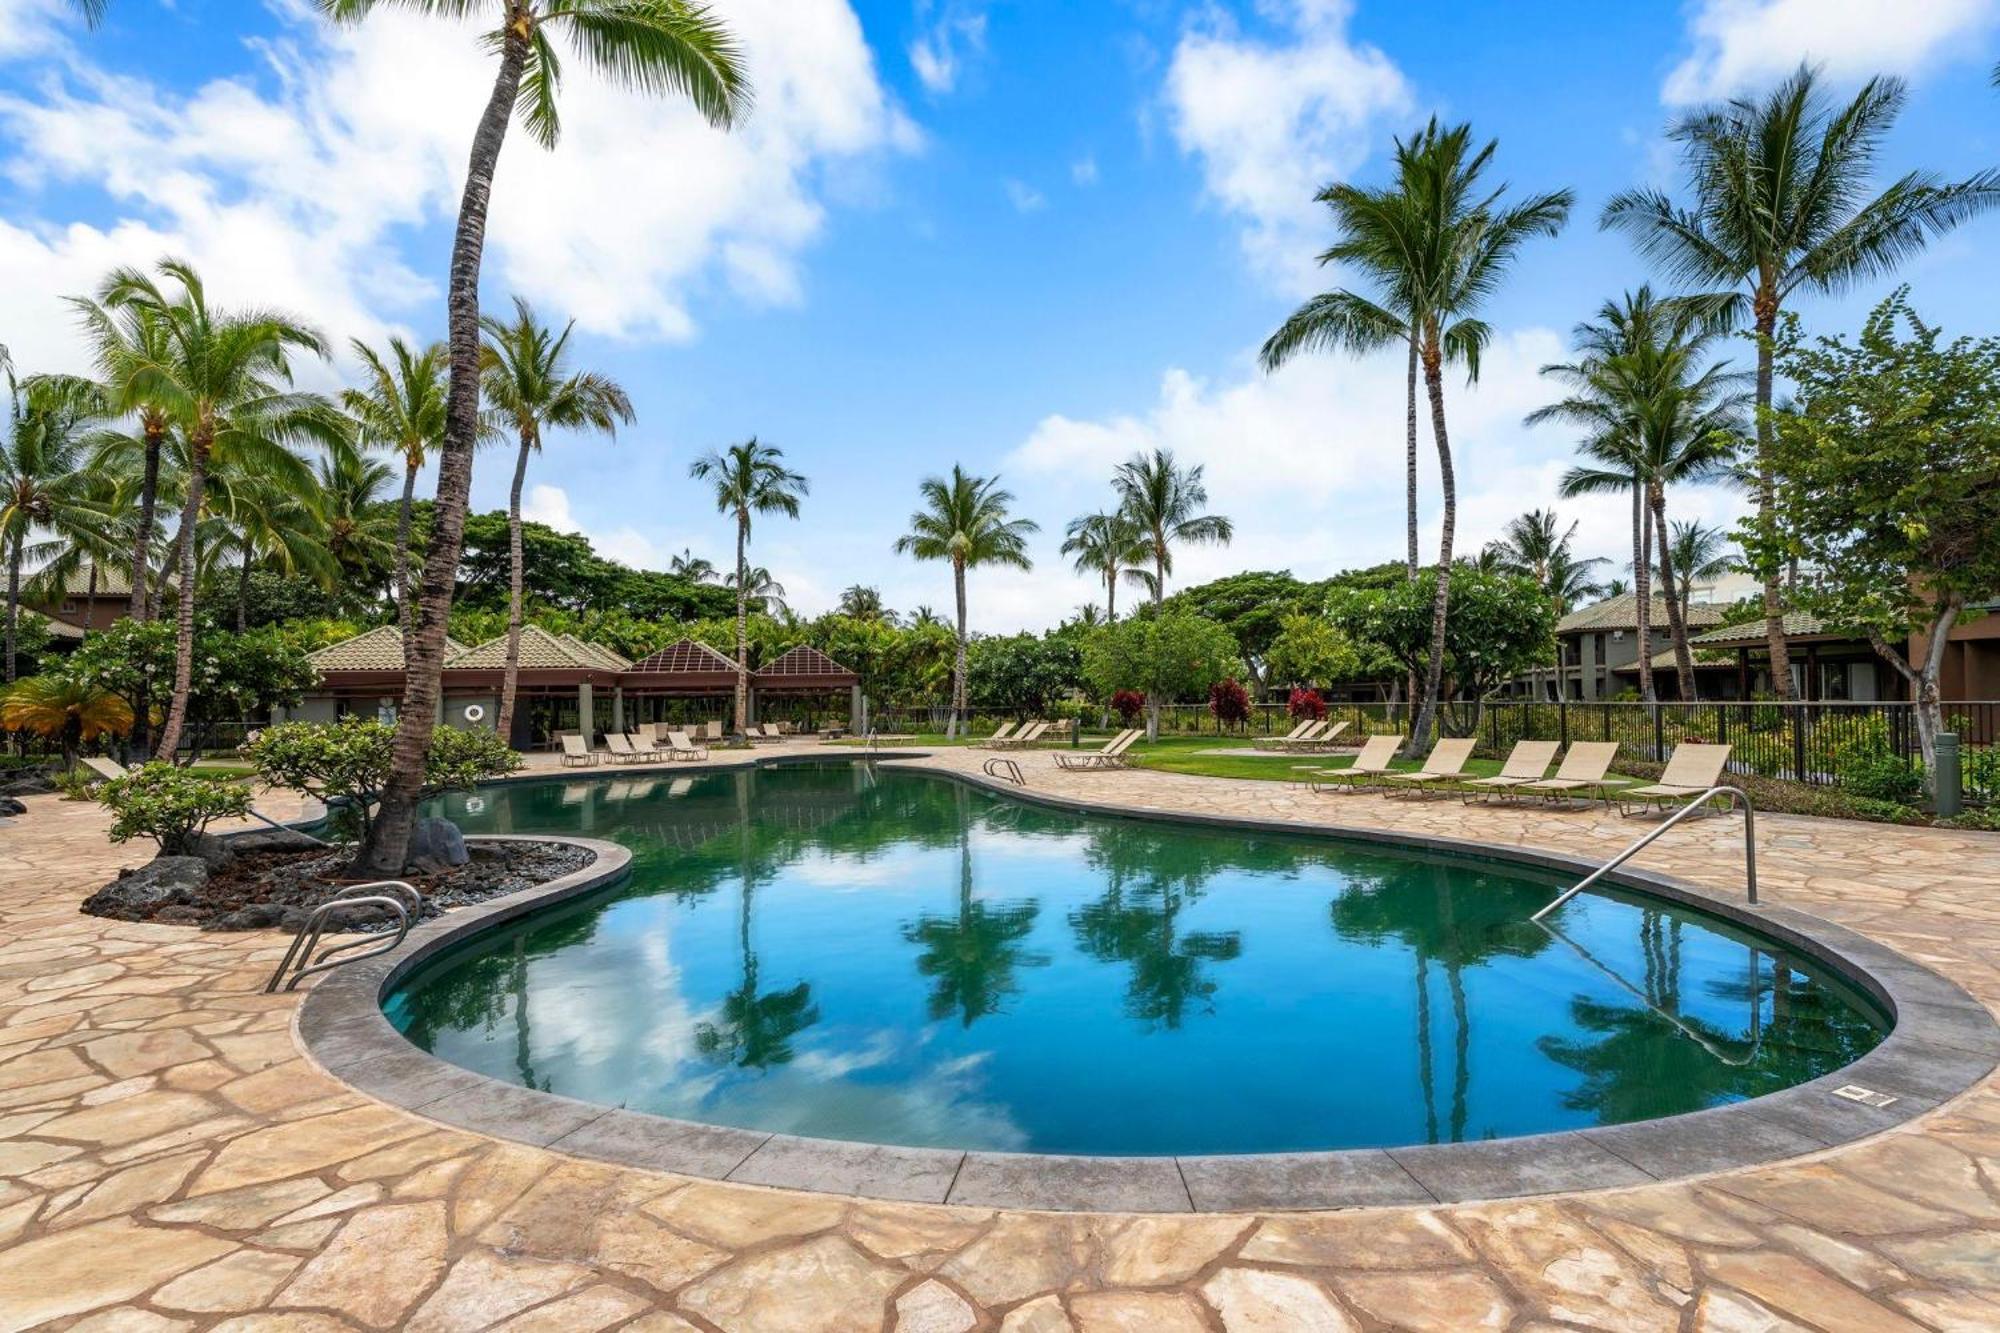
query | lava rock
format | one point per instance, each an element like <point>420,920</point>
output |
<point>213,851</point>
<point>10,806</point>
<point>272,840</point>
<point>141,894</point>
<point>437,842</point>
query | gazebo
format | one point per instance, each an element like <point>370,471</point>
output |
<point>679,680</point>
<point>806,672</point>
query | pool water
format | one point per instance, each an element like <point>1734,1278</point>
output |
<point>846,951</point>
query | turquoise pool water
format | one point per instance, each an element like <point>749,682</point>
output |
<point>850,952</point>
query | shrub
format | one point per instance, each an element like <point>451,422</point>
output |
<point>1128,704</point>
<point>349,761</point>
<point>1229,702</point>
<point>170,806</point>
<point>1306,704</point>
<point>1983,818</point>
<point>1878,775</point>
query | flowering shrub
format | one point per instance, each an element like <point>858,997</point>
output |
<point>1229,702</point>
<point>1306,704</point>
<point>350,761</point>
<point>170,805</point>
<point>1128,704</point>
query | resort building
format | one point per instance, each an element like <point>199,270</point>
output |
<point>1598,642</point>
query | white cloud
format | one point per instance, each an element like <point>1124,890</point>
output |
<point>1739,44</point>
<point>938,54</point>
<point>1025,197</point>
<point>641,206</point>
<point>549,505</point>
<point>1083,171</point>
<point>1273,122</point>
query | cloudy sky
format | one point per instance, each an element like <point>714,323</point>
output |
<point>1028,237</point>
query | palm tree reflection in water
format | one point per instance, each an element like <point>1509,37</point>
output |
<point>972,958</point>
<point>1135,921</point>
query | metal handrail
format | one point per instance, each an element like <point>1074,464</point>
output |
<point>1699,1039</point>
<point>263,818</point>
<point>300,959</point>
<point>1001,767</point>
<point>872,742</point>
<point>1740,797</point>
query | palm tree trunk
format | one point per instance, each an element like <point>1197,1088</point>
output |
<point>388,843</point>
<point>1427,714</point>
<point>177,704</point>
<point>510,675</point>
<point>142,537</point>
<point>1159,599</point>
<point>1111,595</point>
<point>243,589</point>
<point>403,546</point>
<point>1774,607</point>
<point>742,625</point>
<point>958,720</point>
<point>1410,465</point>
<point>1642,588</point>
<point>90,601</point>
<point>13,603</point>
<point>1676,585</point>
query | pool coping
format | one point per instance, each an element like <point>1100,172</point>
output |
<point>1943,1043</point>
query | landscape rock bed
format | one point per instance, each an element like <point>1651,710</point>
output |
<point>277,889</point>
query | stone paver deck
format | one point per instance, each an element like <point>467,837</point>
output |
<point>170,1160</point>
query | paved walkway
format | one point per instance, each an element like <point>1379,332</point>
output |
<point>169,1160</point>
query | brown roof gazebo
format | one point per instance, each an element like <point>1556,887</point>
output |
<point>805,670</point>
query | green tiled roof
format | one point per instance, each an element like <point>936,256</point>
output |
<point>1752,631</point>
<point>1622,612</point>
<point>379,649</point>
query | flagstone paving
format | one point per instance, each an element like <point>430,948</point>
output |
<point>170,1160</point>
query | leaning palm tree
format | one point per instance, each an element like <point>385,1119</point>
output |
<point>1536,545</point>
<point>749,479</point>
<point>225,382</point>
<point>655,46</point>
<point>964,521</point>
<point>531,388</point>
<point>401,408</point>
<point>1167,504</point>
<point>46,483</point>
<point>1780,187</point>
<point>1107,546</point>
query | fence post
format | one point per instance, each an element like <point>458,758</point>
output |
<point>1798,741</point>
<point>1948,782</point>
<point>1659,734</point>
<point>1562,719</point>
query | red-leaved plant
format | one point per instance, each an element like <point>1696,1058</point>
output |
<point>1230,703</point>
<point>1306,704</point>
<point>1128,704</point>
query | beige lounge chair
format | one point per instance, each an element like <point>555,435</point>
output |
<point>1583,770</point>
<point>1000,734</point>
<point>1324,741</point>
<point>575,752</point>
<point>1301,735</point>
<point>110,770</point>
<point>1369,765</point>
<point>1291,735</point>
<point>1691,770</point>
<point>711,731</point>
<point>1445,764</point>
<point>1112,755</point>
<point>1527,762</point>
<point>623,749</point>
<point>680,746</point>
<point>1022,739</point>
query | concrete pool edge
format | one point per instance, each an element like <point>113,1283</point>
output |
<point>1943,1043</point>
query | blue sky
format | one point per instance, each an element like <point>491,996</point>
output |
<point>1028,237</point>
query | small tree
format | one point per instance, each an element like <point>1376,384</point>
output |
<point>350,761</point>
<point>1171,656</point>
<point>169,805</point>
<point>1310,649</point>
<point>1128,704</point>
<point>1229,702</point>
<point>1306,704</point>
<point>71,713</point>
<point>1890,472</point>
<point>1022,673</point>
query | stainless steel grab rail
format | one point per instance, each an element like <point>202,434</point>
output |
<point>1740,798</point>
<point>1001,767</point>
<point>299,958</point>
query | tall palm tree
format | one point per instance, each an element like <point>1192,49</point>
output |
<point>1167,504</point>
<point>655,46</point>
<point>693,568</point>
<point>360,535</point>
<point>1461,243</point>
<point>529,386</point>
<point>1699,552</point>
<point>1779,188</point>
<point>749,479</point>
<point>1536,545</point>
<point>225,382</point>
<point>1108,546</point>
<point>401,407</point>
<point>262,522</point>
<point>964,520</point>
<point>862,602</point>
<point>126,341</point>
<point>45,481</point>
<point>758,586</point>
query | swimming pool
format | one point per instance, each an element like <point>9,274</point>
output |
<point>853,952</point>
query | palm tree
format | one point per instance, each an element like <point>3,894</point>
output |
<point>361,537</point>
<point>1536,545</point>
<point>46,484</point>
<point>1166,503</point>
<point>263,521</point>
<point>862,602</point>
<point>529,385</point>
<point>1779,188</point>
<point>126,341</point>
<point>1107,546</point>
<point>402,408</point>
<point>758,586</point>
<point>656,46</point>
<point>1699,552</point>
<point>964,520</point>
<point>749,478</point>
<point>972,957</point>
<point>72,713</point>
<point>687,565</point>
<point>225,382</point>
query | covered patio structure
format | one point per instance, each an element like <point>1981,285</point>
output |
<point>803,681</point>
<point>685,682</point>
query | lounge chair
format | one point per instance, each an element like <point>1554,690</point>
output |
<point>1112,755</point>
<point>1445,764</point>
<point>763,731</point>
<point>1023,738</point>
<point>1000,734</point>
<point>1370,764</point>
<point>711,731</point>
<point>679,746</point>
<point>623,750</point>
<point>1691,770</point>
<point>1583,770</point>
<point>108,770</point>
<point>1527,762</point>
<point>576,753</point>
<point>1301,735</point>
<point>1321,742</point>
<point>1291,735</point>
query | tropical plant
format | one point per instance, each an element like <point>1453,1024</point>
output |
<point>401,408</point>
<point>170,805</point>
<point>45,482</point>
<point>749,479</point>
<point>863,603</point>
<point>360,534</point>
<point>760,587</point>
<point>964,522</point>
<point>1229,703</point>
<point>349,762</point>
<point>1305,705</point>
<point>1128,704</point>
<point>655,46</point>
<point>529,386</point>
<point>1167,504</point>
<point>1538,545</point>
<point>687,565</point>
<point>1310,648</point>
<point>1779,188</point>
<point>1173,655</point>
<point>70,712</point>
<point>1106,546</point>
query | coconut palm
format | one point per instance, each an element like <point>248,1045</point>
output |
<point>1108,547</point>
<point>126,342</point>
<point>401,408</point>
<point>1779,188</point>
<point>655,46</point>
<point>687,565</point>
<point>972,956</point>
<point>348,503</point>
<point>1167,504</point>
<point>1537,545</point>
<point>749,479</point>
<point>862,602</point>
<point>46,484</point>
<point>70,712</point>
<point>262,522</point>
<point>530,387</point>
<point>759,587</point>
<point>224,380</point>
<point>964,520</point>
<point>1699,552</point>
